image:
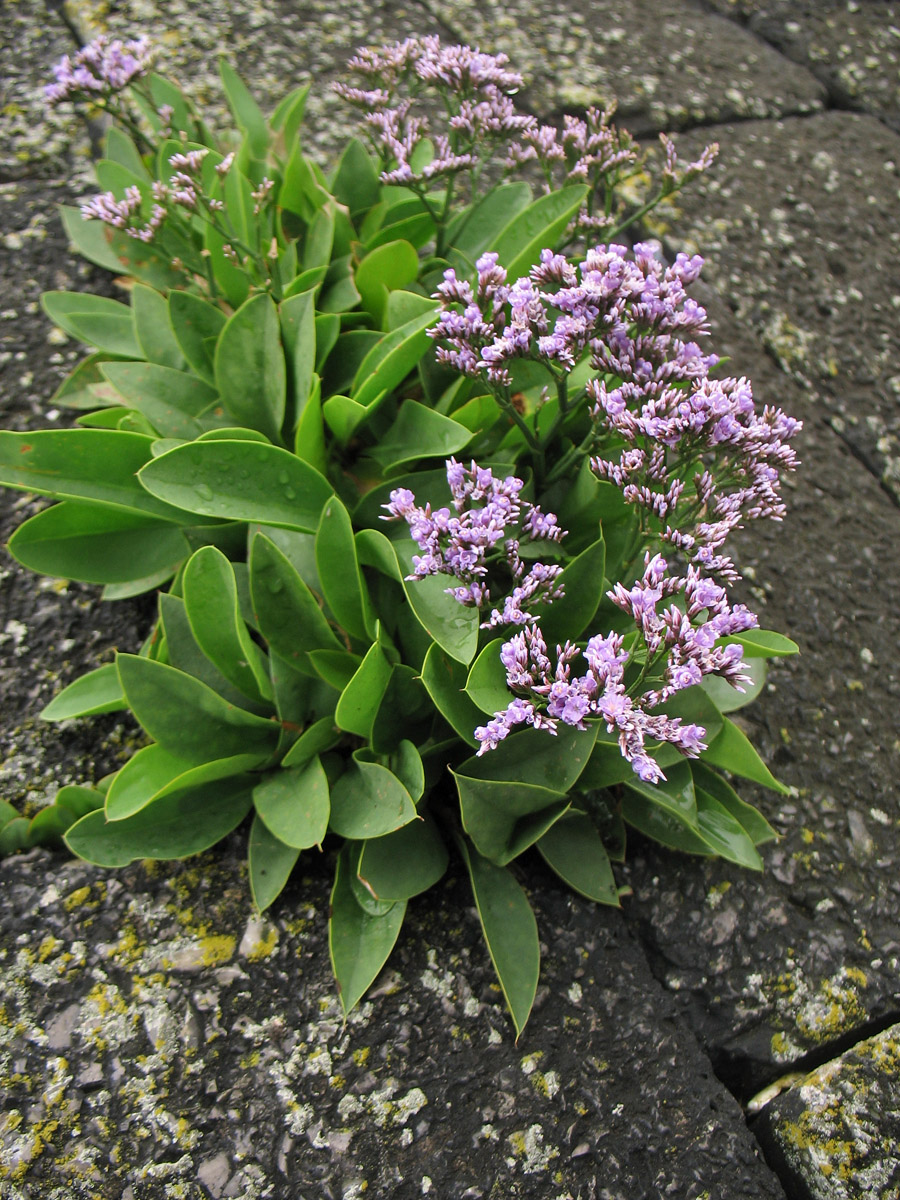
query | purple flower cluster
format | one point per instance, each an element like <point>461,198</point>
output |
<point>101,68</point>
<point>631,313</point>
<point>491,518</point>
<point>475,89</point>
<point>679,648</point>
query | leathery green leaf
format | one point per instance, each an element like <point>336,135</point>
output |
<point>503,819</point>
<point>750,818</point>
<point>663,825</point>
<point>240,481</point>
<point>211,601</point>
<point>188,718</point>
<point>250,369</point>
<point>360,942</point>
<point>530,756</point>
<point>450,624</point>
<point>294,804</point>
<point>510,931</point>
<point>573,848</point>
<point>154,329</point>
<point>172,401</point>
<point>298,331</point>
<point>107,324</point>
<point>486,684</point>
<point>418,432</point>
<point>316,739</point>
<point>153,772</point>
<point>519,245</point>
<point>97,545</point>
<point>99,691</point>
<point>174,826</point>
<point>724,834</point>
<point>404,863</point>
<point>368,800</point>
<point>196,324</point>
<point>675,793</point>
<point>289,618</point>
<point>390,266</point>
<point>733,751</point>
<point>727,698</point>
<point>342,585</point>
<point>361,698</point>
<point>246,111</point>
<point>391,359</point>
<point>445,680</point>
<point>96,465</point>
<point>583,589</point>
<point>480,228</point>
<point>764,643</point>
<point>270,863</point>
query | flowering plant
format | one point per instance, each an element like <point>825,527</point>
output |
<point>351,618</point>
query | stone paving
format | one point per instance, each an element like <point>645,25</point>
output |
<point>727,1034</point>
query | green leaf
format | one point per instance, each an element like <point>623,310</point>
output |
<point>153,328</point>
<point>375,550</point>
<point>750,818</point>
<point>344,416</point>
<point>733,751</point>
<point>404,712</point>
<point>389,362</point>
<point>368,800</point>
<point>478,230</point>
<point>121,149</point>
<point>355,182</point>
<point>114,250</point>
<point>360,943</point>
<point>317,245</point>
<point>239,203</point>
<point>97,465</point>
<point>196,324</point>
<point>447,622</point>
<point>85,387</point>
<point>534,756</point>
<point>407,765</point>
<point>98,691</point>
<point>342,584</point>
<point>536,228</point>
<point>188,718</point>
<point>418,432</point>
<point>510,931</point>
<point>727,698</point>
<point>763,643</point>
<point>693,707</point>
<point>154,772</point>
<point>287,117</point>
<point>170,400</point>
<point>172,827</point>
<point>48,826</point>
<point>445,681</point>
<point>390,266</point>
<point>662,825</point>
<point>486,685</point>
<point>316,739</point>
<point>404,863</point>
<point>90,239</point>
<point>104,323</point>
<point>289,618</point>
<point>250,369</point>
<point>14,835</point>
<point>78,800</point>
<point>309,439</point>
<point>240,481</point>
<point>245,109</point>
<point>294,804</point>
<point>503,819</point>
<point>211,601</point>
<point>583,584</point>
<point>573,848</point>
<point>724,834</point>
<point>607,765</point>
<point>335,667</point>
<point>96,545</point>
<point>183,652</point>
<point>298,332</point>
<point>675,793</point>
<point>270,864</point>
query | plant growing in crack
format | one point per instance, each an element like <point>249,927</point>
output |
<point>432,477</point>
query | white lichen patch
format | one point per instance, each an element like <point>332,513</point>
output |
<point>812,1013</point>
<point>529,1152</point>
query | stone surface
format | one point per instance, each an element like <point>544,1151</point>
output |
<point>155,1037</point>
<point>852,46</point>
<point>798,222</point>
<point>667,63</point>
<point>836,1133</point>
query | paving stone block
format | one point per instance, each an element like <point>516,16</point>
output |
<point>852,46</point>
<point>668,63</point>
<point>798,223</point>
<point>835,1135</point>
<point>157,1033</point>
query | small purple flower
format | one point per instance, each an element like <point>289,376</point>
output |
<point>102,68</point>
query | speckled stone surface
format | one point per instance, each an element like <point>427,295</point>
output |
<point>852,46</point>
<point>836,1134</point>
<point>667,62</point>
<point>157,1043</point>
